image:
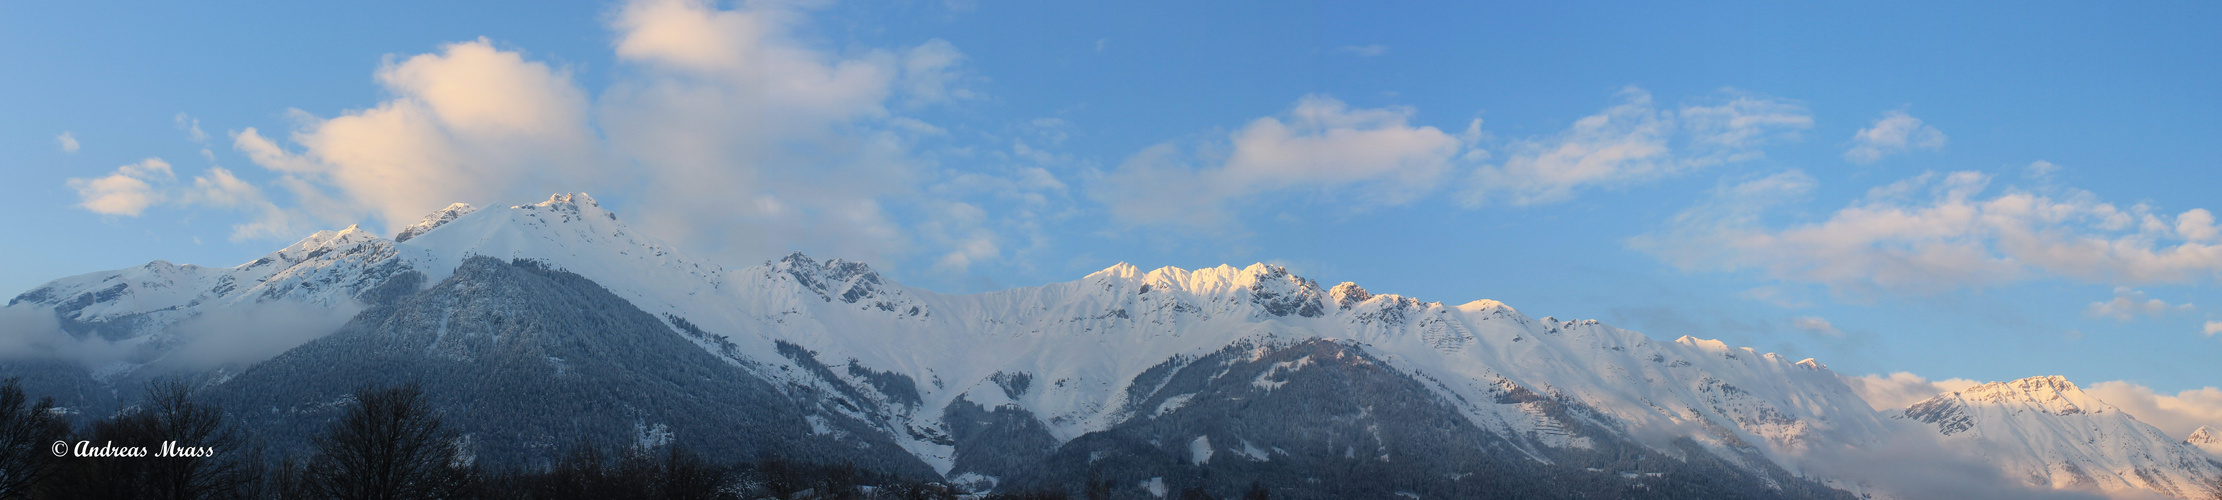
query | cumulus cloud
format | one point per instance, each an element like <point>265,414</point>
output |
<point>1895,132</point>
<point>131,189</point>
<point>2128,304</point>
<point>470,123</point>
<point>732,117</point>
<point>746,126</point>
<point>1633,142</point>
<point>127,191</point>
<point>1938,232</point>
<point>1901,389</point>
<point>2213,327</point>
<point>67,142</point>
<point>2176,415</point>
<point>1320,144</point>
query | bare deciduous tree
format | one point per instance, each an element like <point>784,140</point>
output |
<point>390,445</point>
<point>25,434</point>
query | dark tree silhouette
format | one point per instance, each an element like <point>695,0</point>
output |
<point>171,415</point>
<point>687,476</point>
<point>26,432</point>
<point>390,445</point>
<point>1097,488</point>
<point>167,416</point>
<point>1257,492</point>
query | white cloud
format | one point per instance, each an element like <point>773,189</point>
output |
<point>932,73</point>
<point>67,142</point>
<point>2176,415</point>
<point>1895,132</point>
<point>744,126</point>
<point>1901,389</point>
<point>2213,327</point>
<point>1363,50</point>
<point>1816,325</point>
<point>1936,232</point>
<point>1633,142</point>
<point>127,191</point>
<point>470,123</point>
<point>191,126</point>
<point>133,188</point>
<point>729,130</point>
<point>728,116</point>
<point>2128,304</point>
<point>1320,144</point>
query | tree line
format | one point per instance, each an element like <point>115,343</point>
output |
<point>391,444</point>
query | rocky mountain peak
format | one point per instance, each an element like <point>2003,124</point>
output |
<point>571,204</point>
<point>2205,436</point>
<point>434,220</point>
<point>837,279</point>
<point>2053,394</point>
<point>1348,294</point>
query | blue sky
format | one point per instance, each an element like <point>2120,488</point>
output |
<point>1973,191</point>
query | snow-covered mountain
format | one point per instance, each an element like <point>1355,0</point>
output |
<point>1159,372</point>
<point>2048,432</point>
<point>2206,438</point>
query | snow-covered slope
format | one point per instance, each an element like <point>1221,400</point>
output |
<point>2206,438</point>
<point>2048,432</point>
<point>132,314</point>
<point>1072,357</point>
<point>1081,342</point>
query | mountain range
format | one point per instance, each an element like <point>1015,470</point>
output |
<point>538,325</point>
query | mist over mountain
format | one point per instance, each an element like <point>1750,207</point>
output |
<point>538,325</point>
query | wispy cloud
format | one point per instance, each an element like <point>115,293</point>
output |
<point>1632,142</point>
<point>2128,304</point>
<point>1938,232</point>
<point>191,126</point>
<point>1775,295</point>
<point>66,141</point>
<point>131,189</point>
<point>1895,132</point>
<point>1816,325</point>
<point>1321,143</point>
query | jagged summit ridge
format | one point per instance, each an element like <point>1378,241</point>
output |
<point>434,220</point>
<point>1079,357</point>
<point>2052,394</point>
<point>2049,431</point>
<point>2204,436</point>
